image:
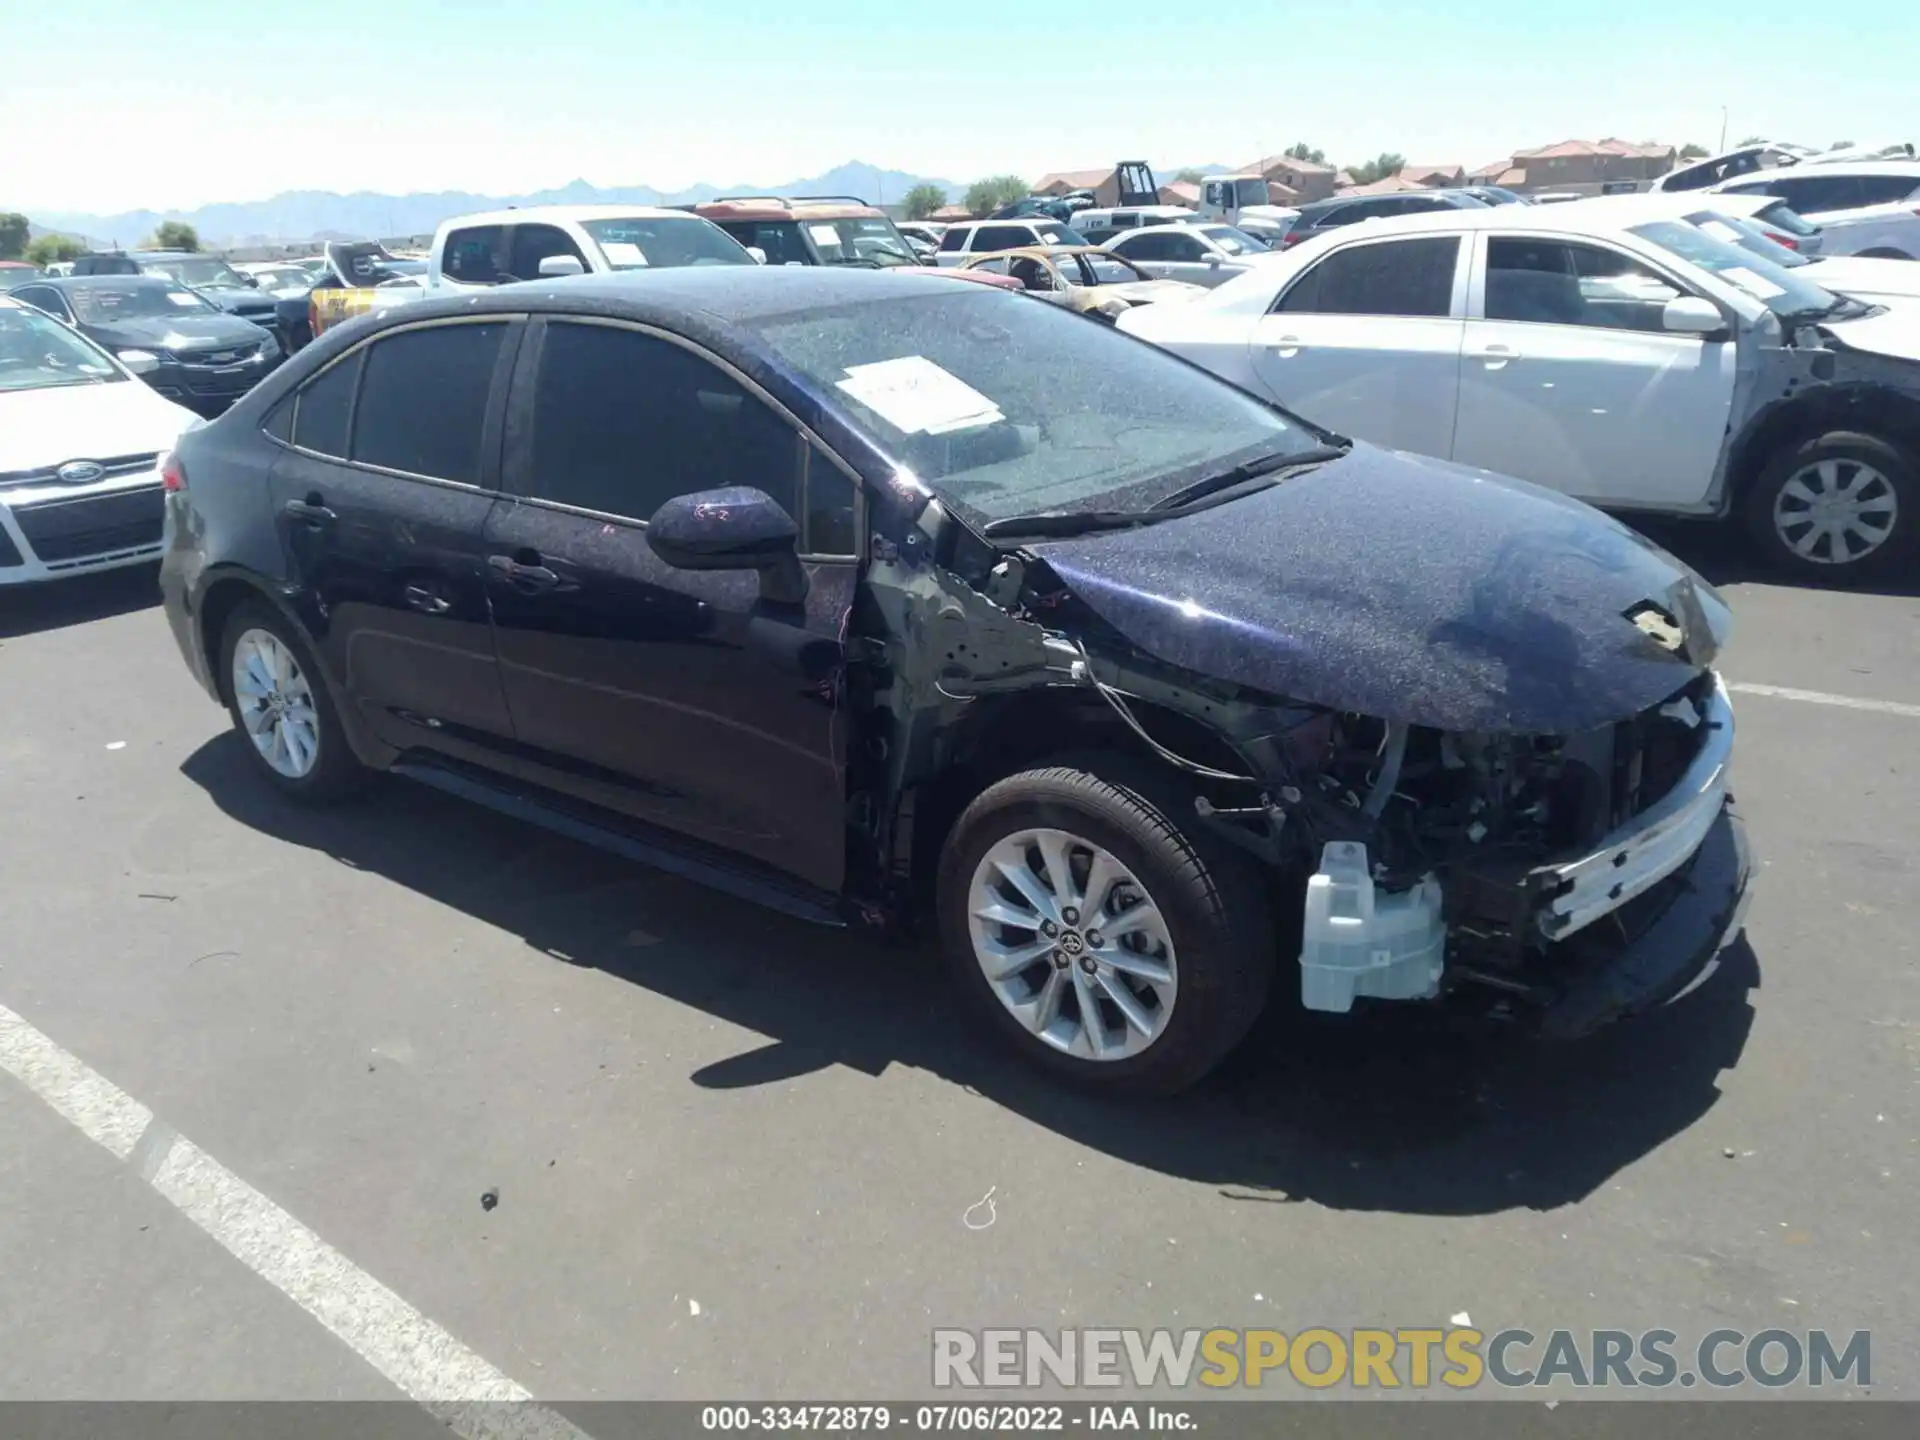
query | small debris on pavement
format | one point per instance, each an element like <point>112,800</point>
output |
<point>489,1199</point>
<point>116,745</point>
<point>693,1306</point>
<point>1461,1319</point>
<point>1728,1152</point>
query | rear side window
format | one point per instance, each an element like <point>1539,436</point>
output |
<point>1145,246</point>
<point>320,417</point>
<point>1339,215</point>
<point>1887,189</point>
<point>1003,237</point>
<point>956,238</point>
<point>472,256</point>
<point>1395,277</point>
<point>1811,194</point>
<point>423,402</point>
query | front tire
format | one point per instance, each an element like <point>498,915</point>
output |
<point>1090,921</point>
<point>1836,507</point>
<point>281,707</point>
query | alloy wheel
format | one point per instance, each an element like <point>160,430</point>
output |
<point>1835,511</point>
<point>275,703</point>
<point>1073,946</point>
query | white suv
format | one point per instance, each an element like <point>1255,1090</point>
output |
<point>988,237</point>
<point>1865,208</point>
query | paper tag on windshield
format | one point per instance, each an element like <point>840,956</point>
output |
<point>916,396</point>
<point>1720,230</point>
<point>824,234</point>
<point>623,252</point>
<point>1757,286</point>
<point>184,299</point>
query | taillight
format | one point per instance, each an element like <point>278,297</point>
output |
<point>1786,240</point>
<point>173,475</point>
<point>1290,239</point>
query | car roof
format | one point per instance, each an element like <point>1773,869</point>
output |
<point>1838,167</point>
<point>1573,218</point>
<point>548,214</point>
<point>779,207</point>
<point>1654,203</point>
<point>101,282</point>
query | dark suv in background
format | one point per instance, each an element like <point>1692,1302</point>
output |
<point>219,282</point>
<point>1317,216</point>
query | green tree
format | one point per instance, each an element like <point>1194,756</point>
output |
<point>988,195</point>
<point>1751,140</point>
<point>174,235</point>
<point>1691,151</point>
<point>50,249</point>
<point>922,200</point>
<point>13,235</point>
<point>1300,150</point>
<point>1841,145</point>
<point>1189,176</point>
<point>1379,168</point>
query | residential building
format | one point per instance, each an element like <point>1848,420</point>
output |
<point>1434,176</point>
<point>1304,178</point>
<point>1105,184</point>
<point>1586,167</point>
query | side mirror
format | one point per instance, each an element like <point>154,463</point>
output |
<point>737,528</point>
<point>1692,315</point>
<point>139,362</point>
<point>1216,260</point>
<point>252,282</point>
<point>554,266</point>
<point>759,255</point>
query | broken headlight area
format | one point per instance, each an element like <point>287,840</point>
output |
<point>1518,867</point>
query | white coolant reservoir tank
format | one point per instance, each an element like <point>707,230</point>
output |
<point>1360,941</point>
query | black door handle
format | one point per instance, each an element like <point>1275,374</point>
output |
<point>421,598</point>
<point>309,512</point>
<point>523,577</point>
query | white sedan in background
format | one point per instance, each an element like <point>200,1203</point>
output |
<point>1644,366</point>
<point>1206,255</point>
<point>81,443</point>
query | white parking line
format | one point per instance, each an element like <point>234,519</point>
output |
<point>1820,697</point>
<point>426,1363</point>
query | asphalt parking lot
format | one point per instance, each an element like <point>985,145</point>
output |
<point>735,1155</point>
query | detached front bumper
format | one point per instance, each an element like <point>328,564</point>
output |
<point>1674,933</point>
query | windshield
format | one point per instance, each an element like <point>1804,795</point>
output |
<point>1004,407</point>
<point>663,242</point>
<point>1783,293</point>
<point>1748,236</point>
<point>105,304</point>
<point>1233,241</point>
<point>862,240</point>
<point>37,351</point>
<point>197,270</point>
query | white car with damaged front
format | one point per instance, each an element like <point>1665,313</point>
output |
<point>1642,366</point>
<point>81,444</point>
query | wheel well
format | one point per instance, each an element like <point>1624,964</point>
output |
<point>1021,731</point>
<point>1867,409</point>
<point>1884,252</point>
<point>223,597</point>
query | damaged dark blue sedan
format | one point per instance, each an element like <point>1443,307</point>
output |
<point>878,597</point>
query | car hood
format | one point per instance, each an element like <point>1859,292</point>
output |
<point>1150,292</point>
<point>1895,332</point>
<point>46,427</point>
<point>183,332</point>
<point>1412,590</point>
<point>1865,275</point>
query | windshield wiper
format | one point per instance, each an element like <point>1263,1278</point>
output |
<point>1240,474</point>
<point>1048,524</point>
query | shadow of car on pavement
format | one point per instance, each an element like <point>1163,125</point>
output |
<point>76,600</point>
<point>1399,1110</point>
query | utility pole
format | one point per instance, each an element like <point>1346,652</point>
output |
<point>1723,130</point>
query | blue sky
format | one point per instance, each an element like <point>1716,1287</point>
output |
<point>112,105</point>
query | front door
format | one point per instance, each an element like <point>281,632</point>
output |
<point>381,504</point>
<point>1367,342</point>
<point>1569,379</point>
<point>678,697</point>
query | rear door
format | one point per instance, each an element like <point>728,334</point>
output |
<point>381,501</point>
<point>1570,380</point>
<point>677,697</point>
<point>1367,341</point>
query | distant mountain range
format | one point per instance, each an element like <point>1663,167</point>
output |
<point>321,214</point>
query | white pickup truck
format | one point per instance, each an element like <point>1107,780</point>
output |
<point>501,247</point>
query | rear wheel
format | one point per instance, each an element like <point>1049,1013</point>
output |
<point>1096,928</point>
<point>1836,506</point>
<point>281,708</point>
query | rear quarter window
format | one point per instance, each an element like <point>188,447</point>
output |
<point>323,406</point>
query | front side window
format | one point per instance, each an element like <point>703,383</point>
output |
<point>1232,240</point>
<point>1812,194</point>
<point>423,400</point>
<point>1145,245</point>
<point>472,256</point>
<point>1003,237</point>
<point>624,421</point>
<point>663,241</point>
<point>37,352</point>
<point>956,237</point>
<point>1888,189</point>
<point>1786,293</point>
<point>534,243</point>
<point>1185,248</point>
<point>324,405</point>
<point>1556,282</point>
<point>1393,277</point>
<point>1005,408</point>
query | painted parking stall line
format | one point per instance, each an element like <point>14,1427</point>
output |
<point>1821,697</point>
<point>462,1390</point>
